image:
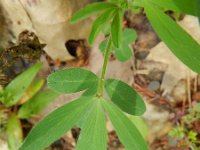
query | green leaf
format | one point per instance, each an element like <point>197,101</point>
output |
<point>136,9</point>
<point>138,3</point>
<point>126,131</point>
<point>117,1</point>
<point>125,97</point>
<point>56,124</point>
<point>192,136</point>
<point>99,23</point>
<point>92,9</point>
<point>129,36</point>
<point>116,28</point>
<point>183,6</point>
<point>178,40</point>
<point>197,6</point>
<point>32,90</point>
<point>90,91</point>
<point>186,6</point>
<point>140,125</point>
<point>124,52</point>
<point>72,80</point>
<point>15,90</point>
<point>177,132</point>
<point>14,132</point>
<point>36,104</point>
<point>93,133</point>
<point>102,46</point>
<point>106,29</point>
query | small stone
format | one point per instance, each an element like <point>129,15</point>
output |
<point>154,86</point>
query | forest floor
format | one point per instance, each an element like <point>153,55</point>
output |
<point>171,90</point>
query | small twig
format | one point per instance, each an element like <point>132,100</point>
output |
<point>183,104</point>
<point>142,71</point>
<point>189,88</point>
<point>195,83</point>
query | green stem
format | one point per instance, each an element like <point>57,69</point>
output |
<point>106,57</point>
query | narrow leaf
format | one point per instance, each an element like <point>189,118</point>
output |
<point>93,133</point>
<point>197,6</point>
<point>126,130</point>
<point>117,1</point>
<point>72,80</point>
<point>56,124</point>
<point>100,23</point>
<point>14,132</point>
<point>91,10</point>
<point>125,97</point>
<point>36,104</point>
<point>178,40</point>
<point>138,3</point>
<point>186,6</point>
<point>140,125</point>
<point>182,6</point>
<point>116,28</point>
<point>15,90</point>
<point>32,90</point>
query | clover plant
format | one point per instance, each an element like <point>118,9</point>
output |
<point>90,110</point>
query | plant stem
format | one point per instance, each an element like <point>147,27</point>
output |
<point>106,57</point>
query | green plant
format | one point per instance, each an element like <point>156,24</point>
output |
<point>177,132</point>
<point>88,111</point>
<point>193,115</point>
<point>124,52</point>
<point>184,132</point>
<point>189,138</point>
<point>21,99</point>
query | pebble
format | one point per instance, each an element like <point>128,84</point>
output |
<point>154,86</point>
